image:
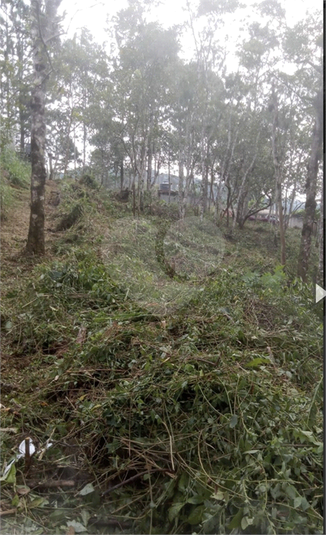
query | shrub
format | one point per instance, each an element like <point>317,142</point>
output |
<point>6,198</point>
<point>17,171</point>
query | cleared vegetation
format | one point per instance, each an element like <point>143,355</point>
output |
<point>203,419</point>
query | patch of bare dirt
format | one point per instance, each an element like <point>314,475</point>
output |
<point>14,229</point>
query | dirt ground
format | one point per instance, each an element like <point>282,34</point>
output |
<point>15,268</point>
<point>14,229</point>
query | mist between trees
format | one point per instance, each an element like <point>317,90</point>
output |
<point>245,140</point>
<point>162,352</point>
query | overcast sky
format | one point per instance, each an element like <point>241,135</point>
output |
<point>92,13</point>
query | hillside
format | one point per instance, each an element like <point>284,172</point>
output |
<point>169,376</point>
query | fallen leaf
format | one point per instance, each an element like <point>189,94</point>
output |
<point>81,337</point>
<point>23,490</point>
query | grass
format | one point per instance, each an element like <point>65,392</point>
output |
<point>175,399</point>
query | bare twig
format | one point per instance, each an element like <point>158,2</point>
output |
<point>133,478</point>
<point>8,512</point>
<point>50,483</point>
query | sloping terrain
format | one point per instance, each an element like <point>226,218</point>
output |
<point>201,417</point>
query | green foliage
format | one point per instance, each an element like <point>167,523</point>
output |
<point>269,283</point>
<point>274,282</point>
<point>17,172</point>
<point>206,418</point>
<point>57,293</point>
<point>69,219</point>
<point>6,198</point>
<point>14,174</point>
<point>217,408</point>
<point>89,181</point>
<point>78,202</point>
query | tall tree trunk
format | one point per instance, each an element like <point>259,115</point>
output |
<point>84,129</point>
<point>204,178</point>
<point>311,188</point>
<point>7,128</point>
<point>75,153</point>
<point>149,155</point>
<point>181,186</point>
<point>35,241</point>
<point>50,167</point>
<point>228,205</point>
<point>121,175</point>
<point>321,242</point>
<point>141,177</point>
<point>149,169</point>
<point>217,201</point>
<point>169,178</point>
<point>21,97</point>
<point>242,210</point>
<point>242,190</point>
<point>227,160</point>
<point>278,173</point>
<point>133,199</point>
<point>84,145</point>
<point>211,188</point>
<point>42,22</point>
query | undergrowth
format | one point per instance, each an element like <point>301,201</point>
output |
<point>14,174</point>
<point>204,419</point>
<point>17,171</point>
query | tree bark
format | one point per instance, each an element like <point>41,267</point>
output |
<point>169,178</point>
<point>35,241</point>
<point>204,177</point>
<point>311,189</point>
<point>243,192</point>
<point>278,173</point>
<point>21,99</point>
<point>181,186</point>
<point>321,242</point>
<point>50,167</point>
<point>121,175</point>
<point>227,160</point>
<point>149,155</point>
<point>41,23</point>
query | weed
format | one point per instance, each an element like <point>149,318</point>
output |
<point>17,171</point>
<point>207,418</point>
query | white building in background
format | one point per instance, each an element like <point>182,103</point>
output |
<point>167,188</point>
<point>164,184</point>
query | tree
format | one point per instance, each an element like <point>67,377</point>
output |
<point>14,72</point>
<point>303,46</point>
<point>44,26</point>
<point>210,63</point>
<point>137,106</point>
<point>311,187</point>
<point>278,168</point>
<point>79,78</point>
